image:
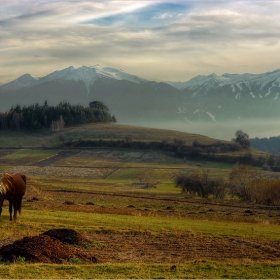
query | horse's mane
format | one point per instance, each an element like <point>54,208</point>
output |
<point>9,179</point>
<point>3,188</point>
<point>6,183</point>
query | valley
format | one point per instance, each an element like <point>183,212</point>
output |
<point>132,230</point>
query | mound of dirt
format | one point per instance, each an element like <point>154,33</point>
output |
<point>68,236</point>
<point>46,249</point>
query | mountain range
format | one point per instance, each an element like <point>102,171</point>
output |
<point>210,98</point>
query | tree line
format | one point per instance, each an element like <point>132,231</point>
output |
<point>269,145</point>
<point>37,116</point>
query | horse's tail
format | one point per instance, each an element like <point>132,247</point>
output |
<point>23,177</point>
<point>19,205</point>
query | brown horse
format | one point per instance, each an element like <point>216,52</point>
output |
<point>12,188</point>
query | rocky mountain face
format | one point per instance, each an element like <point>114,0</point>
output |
<point>204,98</point>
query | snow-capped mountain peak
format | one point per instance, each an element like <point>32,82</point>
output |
<point>253,82</point>
<point>22,81</point>
<point>88,75</point>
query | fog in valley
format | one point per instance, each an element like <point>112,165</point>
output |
<point>221,130</point>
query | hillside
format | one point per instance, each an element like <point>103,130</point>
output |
<point>103,131</point>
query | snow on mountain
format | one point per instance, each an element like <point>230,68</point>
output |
<point>91,74</point>
<point>234,80</point>
<point>22,81</point>
<point>56,75</point>
<point>117,74</point>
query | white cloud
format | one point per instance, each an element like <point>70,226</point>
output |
<point>151,41</point>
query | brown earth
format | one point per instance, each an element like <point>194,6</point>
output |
<point>47,248</point>
<point>149,248</point>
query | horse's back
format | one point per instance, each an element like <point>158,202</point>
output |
<point>20,181</point>
<point>23,177</point>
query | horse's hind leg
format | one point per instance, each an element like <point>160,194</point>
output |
<point>15,209</point>
<point>11,209</point>
<point>19,202</point>
<point>1,205</point>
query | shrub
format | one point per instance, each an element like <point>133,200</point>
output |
<point>240,178</point>
<point>265,191</point>
<point>200,183</point>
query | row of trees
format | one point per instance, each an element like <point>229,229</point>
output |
<point>41,116</point>
<point>243,182</point>
<point>269,145</point>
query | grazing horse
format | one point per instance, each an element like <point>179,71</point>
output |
<point>12,188</point>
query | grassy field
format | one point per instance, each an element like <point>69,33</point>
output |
<point>195,269</point>
<point>136,232</point>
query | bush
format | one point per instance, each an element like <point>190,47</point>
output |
<point>240,178</point>
<point>265,191</point>
<point>200,183</point>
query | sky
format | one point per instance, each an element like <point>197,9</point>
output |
<point>157,40</point>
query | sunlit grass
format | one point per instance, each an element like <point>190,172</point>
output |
<point>36,220</point>
<point>202,269</point>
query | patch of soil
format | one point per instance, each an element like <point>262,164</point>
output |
<point>133,247</point>
<point>68,236</point>
<point>47,248</point>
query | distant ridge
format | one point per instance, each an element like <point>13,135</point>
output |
<point>129,97</point>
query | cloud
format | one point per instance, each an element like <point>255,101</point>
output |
<point>146,16</point>
<point>162,40</point>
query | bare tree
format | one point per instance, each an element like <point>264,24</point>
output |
<point>240,178</point>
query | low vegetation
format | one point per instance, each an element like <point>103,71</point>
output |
<point>244,182</point>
